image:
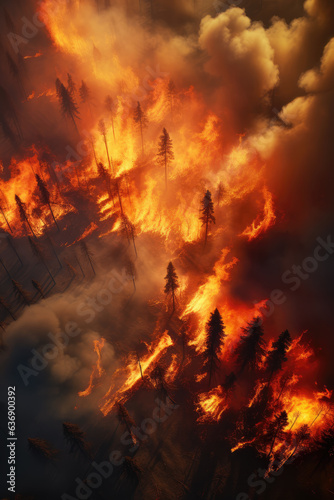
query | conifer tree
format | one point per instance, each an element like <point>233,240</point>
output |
<point>129,230</point>
<point>45,196</point>
<point>88,254</point>
<point>251,346</point>
<point>75,437</point>
<point>277,355</point>
<point>84,92</point>
<point>38,287</point>
<point>141,120</point>
<point>207,212</point>
<point>71,87</point>
<point>67,103</point>
<point>37,250</point>
<point>20,293</point>
<point>23,212</point>
<point>276,429</point>
<point>165,152</point>
<point>111,107</point>
<point>172,283</point>
<point>103,132</point>
<point>215,338</point>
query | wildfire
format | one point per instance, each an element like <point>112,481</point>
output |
<point>259,226</point>
<point>211,405</point>
<point>133,372</point>
<point>97,371</point>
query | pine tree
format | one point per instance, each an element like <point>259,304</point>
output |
<point>141,120</point>
<point>38,287</point>
<point>251,347</point>
<point>172,283</point>
<point>23,212</point>
<point>111,107</point>
<point>88,254</point>
<point>84,92</point>
<point>207,211</point>
<point>67,103</point>
<point>129,230</point>
<point>20,293</point>
<point>7,308</point>
<point>165,152</point>
<point>103,132</point>
<point>36,249</point>
<point>277,355</point>
<point>71,87</point>
<point>45,196</point>
<point>220,193</point>
<point>215,337</point>
<point>42,450</point>
<point>75,437</point>
<point>276,429</point>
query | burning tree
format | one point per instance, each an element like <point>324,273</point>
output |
<point>20,293</point>
<point>207,211</point>
<point>23,213</point>
<point>76,438</point>
<point>71,87</point>
<point>277,354</point>
<point>276,430</point>
<point>172,283</point>
<point>141,120</point>
<point>111,107</point>
<point>84,92</point>
<point>215,337</point>
<point>165,152</point>
<point>67,103</point>
<point>129,230</point>
<point>103,132</point>
<point>251,347</point>
<point>45,196</point>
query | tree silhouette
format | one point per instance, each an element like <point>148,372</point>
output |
<point>38,287</point>
<point>20,293</point>
<point>84,92</point>
<point>45,196</point>
<point>105,177</point>
<point>75,437</point>
<point>165,152</point>
<point>277,355</point>
<point>23,212</point>
<point>37,250</point>
<point>276,429</point>
<point>71,87</point>
<point>129,230</point>
<point>103,132</point>
<point>88,254</point>
<point>67,103</point>
<point>251,347</point>
<point>220,193</point>
<point>172,283</point>
<point>42,450</point>
<point>215,337</point>
<point>141,120</point>
<point>111,107</point>
<point>207,212</point>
